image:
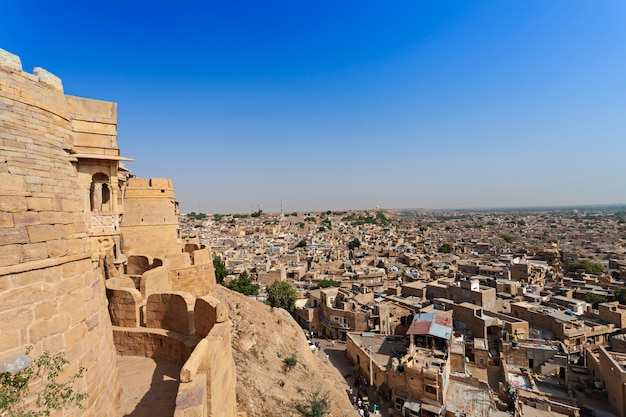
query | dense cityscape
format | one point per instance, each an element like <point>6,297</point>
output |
<point>534,296</point>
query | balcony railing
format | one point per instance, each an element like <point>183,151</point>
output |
<point>335,324</point>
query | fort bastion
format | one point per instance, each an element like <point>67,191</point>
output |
<point>91,262</point>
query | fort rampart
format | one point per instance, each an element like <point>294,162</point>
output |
<point>51,297</point>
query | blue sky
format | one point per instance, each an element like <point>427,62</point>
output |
<point>335,105</point>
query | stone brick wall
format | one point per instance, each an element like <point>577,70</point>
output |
<point>124,304</point>
<point>171,311</point>
<point>150,225</point>
<point>51,297</point>
<point>153,343</point>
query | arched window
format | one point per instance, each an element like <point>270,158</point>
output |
<point>100,193</point>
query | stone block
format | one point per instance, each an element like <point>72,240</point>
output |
<point>10,182</point>
<point>191,398</point>
<point>13,203</point>
<point>41,233</point>
<point>207,312</point>
<point>13,235</point>
<point>10,255</point>
<point>46,309</point>
<point>15,319</point>
<point>6,220</point>
<point>48,78</point>
<point>11,61</point>
<point>34,251</point>
<point>39,203</point>
<point>75,334</point>
<point>26,218</point>
<point>10,340</point>
<point>46,328</point>
<point>57,247</point>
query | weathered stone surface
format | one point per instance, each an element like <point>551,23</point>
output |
<point>48,78</point>
<point>12,235</point>
<point>41,233</point>
<point>172,311</point>
<point>10,61</point>
<point>207,312</point>
<point>41,285</point>
<point>6,220</point>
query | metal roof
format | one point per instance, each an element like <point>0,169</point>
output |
<point>432,324</point>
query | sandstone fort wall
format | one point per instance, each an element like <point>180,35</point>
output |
<point>51,297</point>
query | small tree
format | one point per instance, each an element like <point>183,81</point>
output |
<point>508,238</point>
<point>290,362</point>
<point>220,270</point>
<point>282,295</point>
<point>315,404</point>
<point>325,283</point>
<point>595,299</point>
<point>445,248</point>
<point>589,266</point>
<point>243,284</point>
<point>354,243</point>
<point>49,393</point>
<point>301,244</point>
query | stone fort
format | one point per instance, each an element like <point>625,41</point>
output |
<point>91,261</point>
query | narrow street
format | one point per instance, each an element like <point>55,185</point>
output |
<point>338,362</point>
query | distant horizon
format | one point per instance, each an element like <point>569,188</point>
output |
<point>607,207</point>
<point>350,104</point>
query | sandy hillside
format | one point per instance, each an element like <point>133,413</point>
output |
<point>262,338</point>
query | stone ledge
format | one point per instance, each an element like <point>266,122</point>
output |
<point>43,263</point>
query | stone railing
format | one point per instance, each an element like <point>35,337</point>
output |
<point>104,223</point>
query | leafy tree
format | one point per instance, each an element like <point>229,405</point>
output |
<point>508,238</point>
<point>620,295</point>
<point>354,243</point>
<point>301,244</point>
<point>282,295</point>
<point>589,266</point>
<point>595,299</point>
<point>445,248</point>
<point>220,270</point>
<point>243,284</point>
<point>325,283</point>
<point>315,404</point>
<point>49,395</point>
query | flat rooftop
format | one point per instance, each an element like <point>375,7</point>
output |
<point>383,348</point>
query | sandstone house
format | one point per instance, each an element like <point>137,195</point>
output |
<point>91,263</point>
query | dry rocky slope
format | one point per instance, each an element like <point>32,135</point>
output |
<point>262,337</point>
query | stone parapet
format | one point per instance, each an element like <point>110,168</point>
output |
<point>171,311</point>
<point>153,343</point>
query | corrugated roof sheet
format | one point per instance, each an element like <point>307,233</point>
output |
<point>431,324</point>
<point>440,331</point>
<point>419,327</point>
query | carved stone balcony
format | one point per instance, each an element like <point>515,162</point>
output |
<point>103,224</point>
